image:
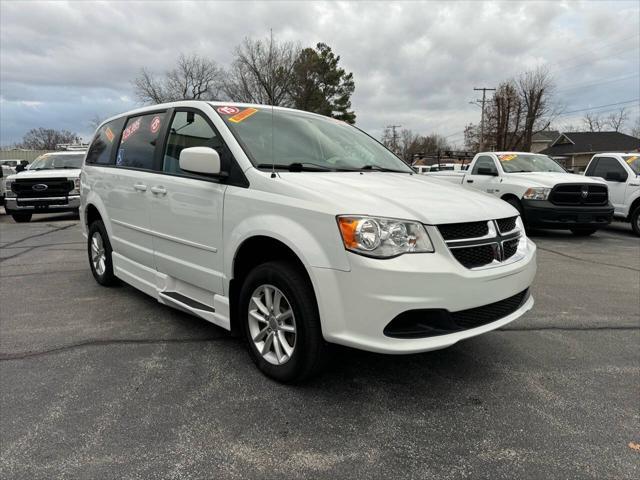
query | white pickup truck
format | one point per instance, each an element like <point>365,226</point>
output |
<point>621,172</point>
<point>541,190</point>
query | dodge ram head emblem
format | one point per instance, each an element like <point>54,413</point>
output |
<point>585,191</point>
<point>39,187</point>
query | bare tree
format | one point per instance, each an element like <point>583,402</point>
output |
<point>95,121</point>
<point>635,130</point>
<point>593,122</point>
<point>193,78</point>
<point>47,138</point>
<point>262,72</point>
<point>616,120</point>
<point>536,90</point>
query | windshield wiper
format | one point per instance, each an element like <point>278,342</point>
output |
<point>299,167</point>
<point>377,168</point>
<point>66,166</point>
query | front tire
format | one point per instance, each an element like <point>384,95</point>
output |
<point>281,322</point>
<point>583,232</point>
<point>635,220</point>
<point>99,251</point>
<point>21,217</point>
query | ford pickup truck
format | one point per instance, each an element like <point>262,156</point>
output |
<point>622,173</point>
<point>545,194</point>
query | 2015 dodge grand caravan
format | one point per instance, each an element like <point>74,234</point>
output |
<point>297,230</point>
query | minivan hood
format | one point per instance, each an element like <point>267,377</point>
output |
<point>550,179</point>
<point>56,173</point>
<point>396,195</point>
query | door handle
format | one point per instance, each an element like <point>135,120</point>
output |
<point>159,190</point>
<point>469,181</point>
<point>140,187</point>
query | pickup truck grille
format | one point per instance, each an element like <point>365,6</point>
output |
<point>42,187</point>
<point>576,194</point>
<point>479,244</point>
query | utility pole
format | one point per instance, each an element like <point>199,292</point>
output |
<point>394,137</point>
<point>484,94</point>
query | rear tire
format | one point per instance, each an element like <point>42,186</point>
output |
<point>635,220</point>
<point>99,251</point>
<point>281,324</point>
<point>21,217</point>
<point>583,232</point>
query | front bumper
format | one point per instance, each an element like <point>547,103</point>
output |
<point>544,214</point>
<point>356,306</point>
<point>42,204</point>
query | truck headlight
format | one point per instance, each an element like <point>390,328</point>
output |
<point>536,193</point>
<point>383,237</point>
<point>76,186</point>
<point>7,189</point>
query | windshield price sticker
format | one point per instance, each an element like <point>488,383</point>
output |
<point>131,129</point>
<point>155,124</point>
<point>110,135</point>
<point>243,115</point>
<point>226,110</point>
<point>631,159</point>
<point>507,158</point>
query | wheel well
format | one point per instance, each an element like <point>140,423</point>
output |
<point>253,252</point>
<point>92,214</point>
<point>506,196</point>
<point>635,204</point>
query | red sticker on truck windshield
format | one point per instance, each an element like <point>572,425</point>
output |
<point>228,110</point>
<point>155,124</point>
<point>246,113</point>
<point>507,158</point>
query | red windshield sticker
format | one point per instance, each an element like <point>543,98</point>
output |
<point>228,110</point>
<point>131,129</point>
<point>110,135</point>
<point>155,124</point>
<point>631,159</point>
<point>243,115</point>
<point>507,158</point>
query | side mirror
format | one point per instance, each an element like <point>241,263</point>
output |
<point>615,177</point>
<point>200,160</point>
<point>487,171</point>
<point>20,167</point>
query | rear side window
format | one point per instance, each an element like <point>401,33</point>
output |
<point>101,149</point>
<point>139,140</point>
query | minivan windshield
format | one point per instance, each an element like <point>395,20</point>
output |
<point>50,161</point>
<point>297,141</point>
<point>633,161</point>
<point>526,162</point>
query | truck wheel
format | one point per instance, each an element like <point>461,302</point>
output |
<point>21,217</point>
<point>99,250</point>
<point>281,322</point>
<point>583,232</point>
<point>635,220</point>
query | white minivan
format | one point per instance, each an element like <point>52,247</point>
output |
<point>297,231</point>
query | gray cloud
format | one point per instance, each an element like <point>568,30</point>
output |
<point>414,63</point>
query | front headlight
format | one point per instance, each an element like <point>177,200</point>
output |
<point>383,237</point>
<point>536,193</point>
<point>76,185</point>
<point>7,189</point>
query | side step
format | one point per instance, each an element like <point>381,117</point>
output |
<point>182,300</point>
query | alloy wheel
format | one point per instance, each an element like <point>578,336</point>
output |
<point>272,325</point>
<point>98,255</point>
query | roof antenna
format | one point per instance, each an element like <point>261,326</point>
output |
<point>273,161</point>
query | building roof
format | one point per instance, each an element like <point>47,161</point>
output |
<point>545,136</point>
<point>592,142</point>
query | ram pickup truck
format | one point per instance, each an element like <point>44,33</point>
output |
<point>50,184</point>
<point>296,231</point>
<point>545,194</point>
<point>622,173</point>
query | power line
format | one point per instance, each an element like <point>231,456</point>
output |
<point>597,47</point>
<point>591,61</point>
<point>599,106</point>
<point>595,84</point>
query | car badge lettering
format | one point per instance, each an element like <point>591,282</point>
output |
<point>39,187</point>
<point>584,192</point>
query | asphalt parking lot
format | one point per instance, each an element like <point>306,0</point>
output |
<point>106,383</point>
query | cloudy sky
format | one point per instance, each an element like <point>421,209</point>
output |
<point>415,64</point>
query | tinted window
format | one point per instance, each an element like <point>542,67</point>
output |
<point>188,129</point>
<point>484,162</point>
<point>101,149</point>
<point>139,140</point>
<point>608,164</point>
<point>592,167</point>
